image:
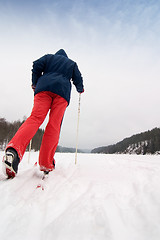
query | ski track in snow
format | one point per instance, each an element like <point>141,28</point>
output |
<point>103,197</point>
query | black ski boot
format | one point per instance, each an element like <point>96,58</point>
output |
<point>11,161</point>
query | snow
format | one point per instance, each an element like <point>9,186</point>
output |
<point>103,197</point>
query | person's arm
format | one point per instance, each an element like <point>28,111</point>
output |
<point>77,79</point>
<point>37,70</point>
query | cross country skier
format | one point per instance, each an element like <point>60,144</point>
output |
<point>51,75</point>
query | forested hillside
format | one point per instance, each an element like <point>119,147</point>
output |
<point>8,130</point>
<point>142,143</point>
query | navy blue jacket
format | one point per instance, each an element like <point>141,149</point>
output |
<point>53,72</point>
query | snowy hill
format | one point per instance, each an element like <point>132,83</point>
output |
<point>142,143</point>
<point>103,197</point>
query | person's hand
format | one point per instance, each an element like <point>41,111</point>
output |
<point>33,87</point>
<point>82,91</point>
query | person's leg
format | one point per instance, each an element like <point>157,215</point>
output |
<point>42,104</point>
<point>51,134</point>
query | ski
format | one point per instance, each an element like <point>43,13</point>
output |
<point>41,184</point>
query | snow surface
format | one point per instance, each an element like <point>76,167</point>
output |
<point>103,197</point>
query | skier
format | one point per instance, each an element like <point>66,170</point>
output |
<point>51,75</point>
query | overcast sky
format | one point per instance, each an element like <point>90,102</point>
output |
<point>116,45</point>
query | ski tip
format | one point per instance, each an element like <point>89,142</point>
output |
<point>10,174</point>
<point>39,186</point>
<point>35,164</point>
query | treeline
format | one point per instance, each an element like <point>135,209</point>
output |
<point>69,150</point>
<point>143,143</point>
<point>8,130</point>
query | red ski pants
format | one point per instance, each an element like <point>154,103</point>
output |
<point>43,102</point>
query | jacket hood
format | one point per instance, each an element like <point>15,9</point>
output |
<point>62,53</point>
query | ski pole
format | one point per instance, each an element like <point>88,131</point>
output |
<point>77,127</point>
<point>30,145</point>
